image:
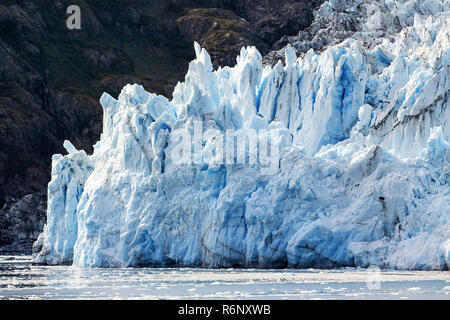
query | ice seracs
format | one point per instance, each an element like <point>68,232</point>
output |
<point>369,21</point>
<point>69,174</point>
<point>361,178</point>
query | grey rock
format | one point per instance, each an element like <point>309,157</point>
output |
<point>21,223</point>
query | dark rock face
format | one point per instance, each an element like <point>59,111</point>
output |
<point>275,19</point>
<point>221,32</point>
<point>22,222</point>
<point>51,77</point>
<point>224,27</point>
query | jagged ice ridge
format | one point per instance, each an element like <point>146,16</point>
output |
<point>362,177</point>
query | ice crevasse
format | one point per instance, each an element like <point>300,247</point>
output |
<point>362,176</point>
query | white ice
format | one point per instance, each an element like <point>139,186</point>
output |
<point>363,176</point>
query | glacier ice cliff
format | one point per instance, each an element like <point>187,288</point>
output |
<point>359,158</point>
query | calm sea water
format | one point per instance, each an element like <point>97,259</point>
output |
<point>19,279</point>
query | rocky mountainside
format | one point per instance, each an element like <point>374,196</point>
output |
<point>51,77</point>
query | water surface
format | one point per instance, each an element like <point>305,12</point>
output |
<point>19,279</point>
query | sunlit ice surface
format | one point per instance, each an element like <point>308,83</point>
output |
<point>19,279</point>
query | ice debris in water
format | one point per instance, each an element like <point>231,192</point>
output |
<point>359,147</point>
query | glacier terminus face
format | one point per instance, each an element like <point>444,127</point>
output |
<point>332,158</point>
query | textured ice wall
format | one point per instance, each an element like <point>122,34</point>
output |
<point>362,176</point>
<point>69,175</point>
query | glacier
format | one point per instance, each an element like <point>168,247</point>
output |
<point>358,172</point>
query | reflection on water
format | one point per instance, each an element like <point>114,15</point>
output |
<point>19,279</point>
